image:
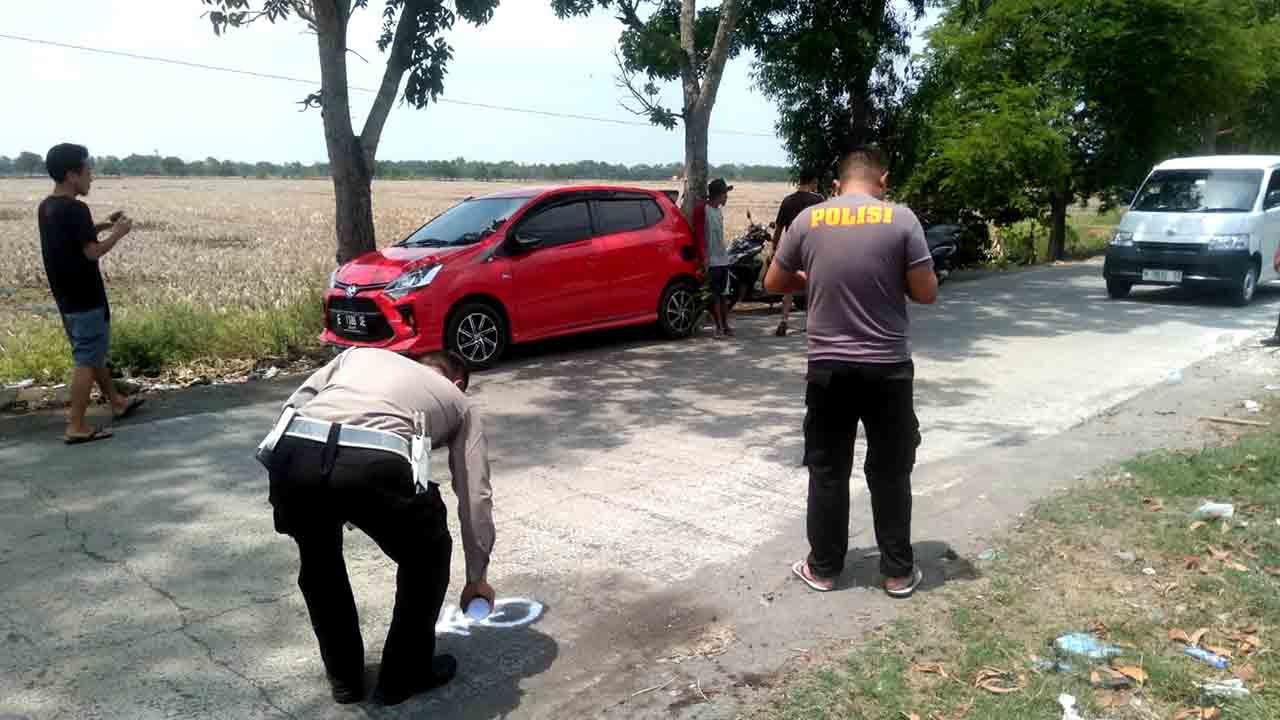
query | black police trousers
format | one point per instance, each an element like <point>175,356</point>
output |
<point>837,397</point>
<point>315,489</point>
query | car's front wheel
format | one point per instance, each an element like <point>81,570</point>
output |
<point>1242,294</point>
<point>477,332</point>
<point>679,309</point>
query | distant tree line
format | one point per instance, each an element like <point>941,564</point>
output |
<point>29,163</point>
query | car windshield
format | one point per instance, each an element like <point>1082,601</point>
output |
<point>1188,191</point>
<point>466,223</point>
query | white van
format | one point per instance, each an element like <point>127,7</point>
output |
<point>1200,221</point>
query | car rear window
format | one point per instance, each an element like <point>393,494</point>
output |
<point>626,215</point>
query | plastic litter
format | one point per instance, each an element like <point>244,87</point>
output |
<point>479,609</point>
<point>1149,572</point>
<point>1232,689</point>
<point>1058,666</point>
<point>1207,657</point>
<point>989,554</point>
<point>1068,703</point>
<point>1126,556</point>
<point>1174,377</point>
<point>1252,406</point>
<point>1085,645</point>
<point>1215,511</point>
<point>271,373</point>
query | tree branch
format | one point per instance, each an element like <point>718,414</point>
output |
<point>398,59</point>
<point>628,14</point>
<point>649,107</point>
<point>302,9</point>
<point>688,55</point>
<point>719,54</point>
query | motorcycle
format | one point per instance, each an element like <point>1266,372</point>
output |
<point>746,266</point>
<point>944,242</point>
<point>747,269</point>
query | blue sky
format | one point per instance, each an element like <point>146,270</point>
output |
<point>524,58</point>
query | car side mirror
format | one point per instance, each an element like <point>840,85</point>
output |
<point>526,242</point>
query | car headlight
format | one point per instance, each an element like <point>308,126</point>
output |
<point>1122,238</point>
<point>413,280</point>
<point>1226,243</point>
<point>333,279</point>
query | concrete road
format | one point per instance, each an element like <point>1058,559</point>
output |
<point>648,497</point>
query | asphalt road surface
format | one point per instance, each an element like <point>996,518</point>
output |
<point>648,498</point>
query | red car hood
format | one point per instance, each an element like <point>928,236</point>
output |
<point>383,266</point>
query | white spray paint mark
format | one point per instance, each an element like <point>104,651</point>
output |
<point>507,613</point>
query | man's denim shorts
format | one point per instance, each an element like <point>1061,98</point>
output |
<point>90,336</point>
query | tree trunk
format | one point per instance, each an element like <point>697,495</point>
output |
<point>1058,226</point>
<point>348,161</point>
<point>1209,135</point>
<point>700,95</point>
<point>696,166</point>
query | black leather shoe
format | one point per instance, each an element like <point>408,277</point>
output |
<point>1273,341</point>
<point>443,669</point>
<point>346,693</point>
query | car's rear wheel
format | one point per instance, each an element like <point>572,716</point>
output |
<point>1118,289</point>
<point>1242,294</point>
<point>477,332</point>
<point>679,309</point>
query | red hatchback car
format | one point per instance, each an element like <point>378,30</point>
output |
<point>518,266</point>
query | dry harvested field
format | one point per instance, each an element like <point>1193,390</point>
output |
<point>228,244</point>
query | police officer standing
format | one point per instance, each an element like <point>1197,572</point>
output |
<point>353,445</point>
<point>859,258</point>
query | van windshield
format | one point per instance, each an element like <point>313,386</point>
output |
<point>466,223</point>
<point>1190,191</point>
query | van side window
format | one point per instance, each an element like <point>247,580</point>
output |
<point>558,225</point>
<point>1273,192</point>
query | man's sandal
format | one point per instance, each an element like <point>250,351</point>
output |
<point>801,570</point>
<point>94,434</point>
<point>917,577</point>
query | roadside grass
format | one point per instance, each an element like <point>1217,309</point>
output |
<point>1058,573</point>
<point>1027,242</point>
<point>147,340</point>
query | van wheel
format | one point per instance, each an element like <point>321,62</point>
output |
<point>1242,293</point>
<point>1118,289</point>
<point>679,310</point>
<point>477,332</point>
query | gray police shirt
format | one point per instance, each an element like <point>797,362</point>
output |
<point>856,251</point>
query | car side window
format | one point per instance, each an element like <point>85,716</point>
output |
<point>1272,200</point>
<point>620,216</point>
<point>558,225</point>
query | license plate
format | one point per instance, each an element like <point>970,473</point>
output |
<point>351,322</point>
<point>1168,276</point>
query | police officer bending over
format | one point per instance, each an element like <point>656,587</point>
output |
<point>353,445</point>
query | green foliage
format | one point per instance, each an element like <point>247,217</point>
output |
<point>28,163</point>
<point>456,169</point>
<point>425,54</point>
<point>833,70</point>
<point>1025,104</point>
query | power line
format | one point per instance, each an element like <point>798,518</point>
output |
<point>304,81</point>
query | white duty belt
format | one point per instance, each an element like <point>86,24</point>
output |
<point>417,453</point>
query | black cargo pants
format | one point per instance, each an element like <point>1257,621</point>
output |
<point>882,397</point>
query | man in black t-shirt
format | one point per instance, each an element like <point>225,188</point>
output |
<point>71,249</point>
<point>805,196</point>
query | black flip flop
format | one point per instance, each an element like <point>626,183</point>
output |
<point>133,406</point>
<point>95,434</point>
